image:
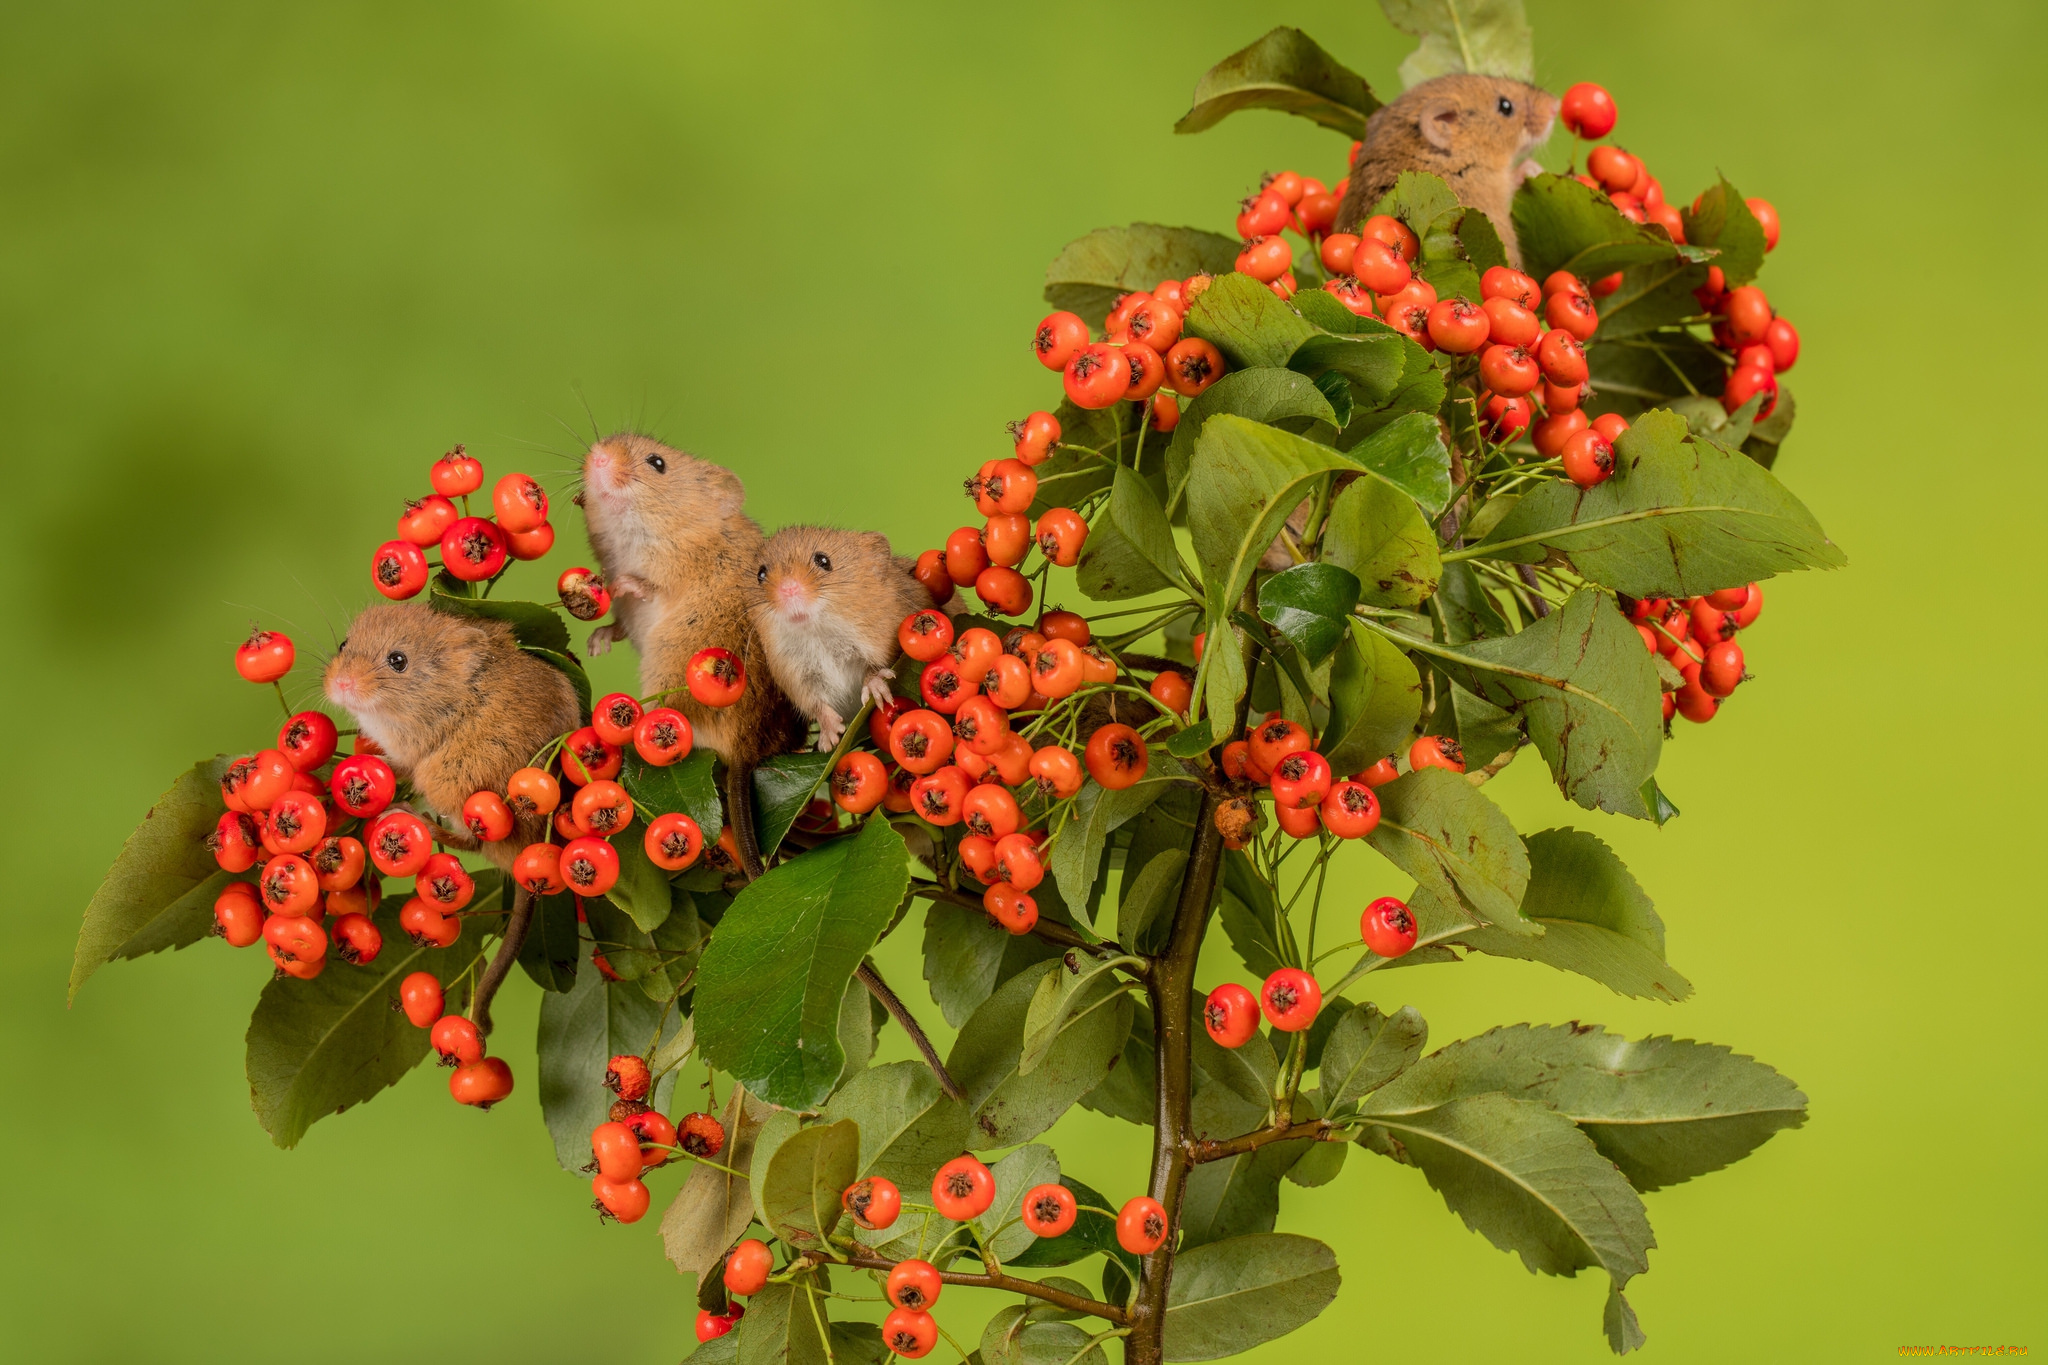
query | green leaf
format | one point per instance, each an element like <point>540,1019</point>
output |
<point>781,1328</point>
<point>642,890</point>
<point>723,1350</point>
<point>1239,1194</point>
<point>678,943</point>
<point>1652,295</point>
<point>1421,390</point>
<point>1253,935</point>
<point>908,1128</point>
<point>1653,371</point>
<point>1662,1109</point>
<point>581,1029</point>
<point>1681,517</point>
<point>1482,729</point>
<point>857,1343</point>
<point>1337,389</point>
<point>1319,1165</point>
<point>1246,321</point>
<point>713,1207</point>
<point>1310,604</point>
<point>1442,831</point>
<point>688,787</point>
<point>1266,394</point>
<point>769,986</point>
<point>1130,1092</point>
<point>1010,1106</point>
<point>805,1176</point>
<point>1090,272</point>
<point>628,949</point>
<point>1485,37</point>
<point>550,949</point>
<point>1020,1336</point>
<point>1480,240</point>
<point>1587,689</point>
<point>1618,1320</point>
<point>1077,981</point>
<point>1523,1177</point>
<point>534,626</point>
<point>316,1047</point>
<point>1375,699</point>
<point>1564,225</point>
<point>1148,901</point>
<point>1111,569</point>
<point>1097,812</point>
<point>1192,742</point>
<point>1371,365</point>
<point>778,1127</point>
<point>1366,1050</point>
<point>160,891</point>
<point>1091,1234</point>
<point>1130,550</point>
<point>1467,605</point>
<point>965,956</point>
<point>1230,1296</point>
<point>1376,533</point>
<point>1596,921</point>
<point>1409,454</point>
<point>1723,221</point>
<point>1015,1173</point>
<point>1661,809</point>
<point>783,786</point>
<point>1288,71</point>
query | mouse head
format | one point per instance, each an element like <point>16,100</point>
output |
<point>407,673</point>
<point>638,492</point>
<point>1496,120</point>
<point>804,569</point>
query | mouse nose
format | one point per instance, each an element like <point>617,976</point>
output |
<point>791,590</point>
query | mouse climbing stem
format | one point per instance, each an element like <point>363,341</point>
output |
<point>516,925</point>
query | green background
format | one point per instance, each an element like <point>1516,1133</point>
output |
<point>260,263</point>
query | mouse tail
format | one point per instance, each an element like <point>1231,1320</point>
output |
<point>739,812</point>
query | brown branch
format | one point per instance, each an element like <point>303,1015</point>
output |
<point>1073,1303</point>
<point>1539,603</point>
<point>1054,933</point>
<point>1206,1150</point>
<point>501,965</point>
<point>879,988</point>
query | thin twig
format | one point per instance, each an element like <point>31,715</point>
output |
<point>879,988</point>
<point>1074,1303</point>
<point>501,965</point>
<point>1208,1150</point>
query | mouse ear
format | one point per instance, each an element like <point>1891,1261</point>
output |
<point>1438,121</point>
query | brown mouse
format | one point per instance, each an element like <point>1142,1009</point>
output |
<point>455,704</point>
<point>1475,132</point>
<point>831,605</point>
<point>682,558</point>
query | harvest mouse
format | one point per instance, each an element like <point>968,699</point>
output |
<point>832,601</point>
<point>455,704</point>
<point>1473,131</point>
<point>681,557</point>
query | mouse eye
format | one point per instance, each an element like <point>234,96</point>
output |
<point>660,465</point>
<point>396,658</point>
<point>823,561</point>
<point>1507,107</point>
<point>761,575</point>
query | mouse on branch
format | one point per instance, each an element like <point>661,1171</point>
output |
<point>832,602</point>
<point>1474,132</point>
<point>682,559</point>
<point>456,706</point>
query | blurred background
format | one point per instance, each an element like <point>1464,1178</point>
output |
<point>259,264</point>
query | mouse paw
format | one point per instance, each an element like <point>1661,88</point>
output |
<point>601,640</point>
<point>876,687</point>
<point>830,727</point>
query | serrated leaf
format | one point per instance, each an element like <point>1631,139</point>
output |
<point>1485,37</point>
<point>1564,225</point>
<point>642,890</point>
<point>1277,397</point>
<point>1319,1165</point>
<point>1016,1336</point>
<point>1618,1320</point>
<point>534,626</point>
<point>1421,390</point>
<point>1366,1050</point>
<point>580,1030</point>
<point>713,1207</point>
<point>1596,920</point>
<point>689,787</point>
<point>1130,1092</point>
<point>1409,455</point>
<point>800,1193</point>
<point>1192,742</point>
<point>1062,992</point>
<point>1376,532</point>
<point>1371,364</point>
<point>783,786</point>
<point>1149,898</point>
<point>1525,1178</point>
<point>549,952</point>
<point>1637,373</point>
<point>1010,1106</point>
<point>1587,690</point>
<point>781,1328</point>
<point>965,956</point>
<point>1680,518</point>
<point>316,1047</point>
<point>1091,271</point>
<point>1246,321</point>
<point>1651,296</point>
<point>1662,1109</point>
<point>1285,70</point>
<point>628,949</point>
<point>1230,1296</point>
<point>1722,220</point>
<point>1098,812</point>
<point>1310,604</point>
<point>908,1128</point>
<point>770,984</point>
<point>1442,831</point>
<point>160,891</point>
<point>1239,1194</point>
<point>1375,700</point>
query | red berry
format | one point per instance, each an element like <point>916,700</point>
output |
<point>1721,671</point>
<point>1231,1015</point>
<point>1003,591</point>
<point>1587,110</point>
<point>1458,326</point>
<point>473,549</point>
<point>1562,358</point>
<point>1379,774</point>
<point>1508,284</point>
<point>532,792</point>
<point>238,915</point>
<point>626,1201</point>
<point>1192,365</point>
<point>937,797</point>
<point>1301,780</point>
<point>1783,340</point>
<point>1010,908</point>
<point>295,938</point>
<point>289,886</point>
<point>457,1041</point>
<point>1746,383</point>
<point>617,1149</point>
<point>908,1333</point>
<point>1265,259</point>
<point>398,569</point>
<point>1506,418</point>
<point>657,1134</point>
<point>1116,756</point>
<point>264,657</point>
<point>920,741</point>
<point>963,1189</point>
<point>746,1269</point>
<point>1767,219</point>
<point>1610,425</point>
<point>1097,376</point>
<point>583,594</point>
<point>1062,533</point>
<point>1141,1226</point>
<point>538,869</point>
<point>1351,811</point>
<point>1049,1210</point>
<point>1057,770</point>
<point>663,736</point>
<point>520,504</point>
<point>1509,370</point>
<point>1298,822</point>
<point>1508,323</point>
<point>236,841</point>
<point>1379,267</point>
<point>1059,338</point>
<point>914,1285</point>
<point>1035,437</point>
<point>873,1202</point>
<point>1387,927</point>
<point>425,520</point>
<point>420,996</point>
<point>1588,458</point>
<point>1572,312</point>
<point>673,841</point>
<point>925,635</point>
<point>1290,999</point>
<point>858,782</point>
<point>1436,751</point>
<point>1273,739</point>
<point>483,1083</point>
<point>715,676</point>
<point>701,1135</point>
<point>428,926</point>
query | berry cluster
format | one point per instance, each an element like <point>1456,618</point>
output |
<point>963,1190</point>
<point>1697,637</point>
<point>472,549</point>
